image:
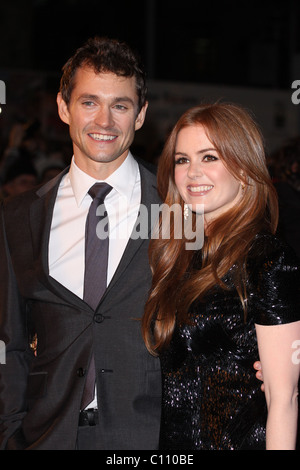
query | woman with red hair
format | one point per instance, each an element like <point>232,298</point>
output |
<point>212,312</point>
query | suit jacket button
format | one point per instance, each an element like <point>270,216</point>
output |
<point>81,372</point>
<point>98,317</point>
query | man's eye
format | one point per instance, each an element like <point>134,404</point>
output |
<point>120,107</point>
<point>88,103</point>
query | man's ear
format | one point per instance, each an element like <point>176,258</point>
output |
<point>62,109</point>
<point>141,117</point>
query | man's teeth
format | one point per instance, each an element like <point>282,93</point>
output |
<point>102,136</point>
<point>199,189</point>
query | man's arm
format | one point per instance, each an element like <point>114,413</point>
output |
<point>13,333</point>
<point>259,374</point>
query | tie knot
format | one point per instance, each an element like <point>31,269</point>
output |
<point>99,190</point>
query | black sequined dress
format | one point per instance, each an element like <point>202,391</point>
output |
<point>211,397</point>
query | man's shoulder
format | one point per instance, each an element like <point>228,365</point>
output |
<point>148,182</point>
<point>147,166</point>
<point>20,202</point>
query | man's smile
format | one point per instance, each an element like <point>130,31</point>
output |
<point>102,137</point>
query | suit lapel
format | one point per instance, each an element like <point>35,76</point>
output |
<point>41,212</point>
<point>149,197</point>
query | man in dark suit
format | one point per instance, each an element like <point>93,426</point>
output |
<point>42,241</point>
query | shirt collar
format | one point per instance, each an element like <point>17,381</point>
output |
<point>122,180</point>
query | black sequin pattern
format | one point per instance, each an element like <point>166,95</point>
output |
<point>211,397</point>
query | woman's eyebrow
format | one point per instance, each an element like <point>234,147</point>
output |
<point>199,151</point>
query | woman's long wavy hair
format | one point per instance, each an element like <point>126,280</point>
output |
<point>176,284</point>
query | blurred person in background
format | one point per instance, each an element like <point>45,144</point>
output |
<point>286,174</point>
<point>20,176</point>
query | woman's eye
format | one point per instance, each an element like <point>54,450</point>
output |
<point>181,160</point>
<point>210,158</point>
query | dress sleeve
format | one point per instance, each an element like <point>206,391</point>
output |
<point>275,294</point>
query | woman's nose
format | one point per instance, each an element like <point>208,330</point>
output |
<point>195,170</point>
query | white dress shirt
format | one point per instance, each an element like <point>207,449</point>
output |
<point>67,235</point>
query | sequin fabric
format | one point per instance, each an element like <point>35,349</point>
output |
<point>211,397</point>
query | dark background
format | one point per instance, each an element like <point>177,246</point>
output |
<point>247,43</point>
<point>253,44</point>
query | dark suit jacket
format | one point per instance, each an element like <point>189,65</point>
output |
<point>40,395</point>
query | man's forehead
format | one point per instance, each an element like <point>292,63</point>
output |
<point>89,81</point>
<point>88,73</point>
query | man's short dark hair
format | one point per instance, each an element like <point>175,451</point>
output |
<point>104,55</point>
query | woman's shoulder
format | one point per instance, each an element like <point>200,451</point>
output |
<point>268,247</point>
<point>274,275</point>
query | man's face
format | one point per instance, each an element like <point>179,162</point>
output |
<point>102,116</point>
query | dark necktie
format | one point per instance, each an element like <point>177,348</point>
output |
<point>95,276</point>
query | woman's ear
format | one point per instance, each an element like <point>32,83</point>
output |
<point>243,179</point>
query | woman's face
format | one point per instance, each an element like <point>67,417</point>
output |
<point>200,175</point>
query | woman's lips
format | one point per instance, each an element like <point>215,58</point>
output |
<point>200,190</point>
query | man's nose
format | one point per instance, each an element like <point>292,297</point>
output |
<point>104,117</point>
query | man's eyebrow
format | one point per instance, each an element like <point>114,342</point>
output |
<point>88,96</point>
<point>117,99</point>
<point>124,99</point>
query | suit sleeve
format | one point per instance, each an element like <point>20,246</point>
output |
<point>14,370</point>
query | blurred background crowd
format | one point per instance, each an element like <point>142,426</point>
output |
<point>248,53</point>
